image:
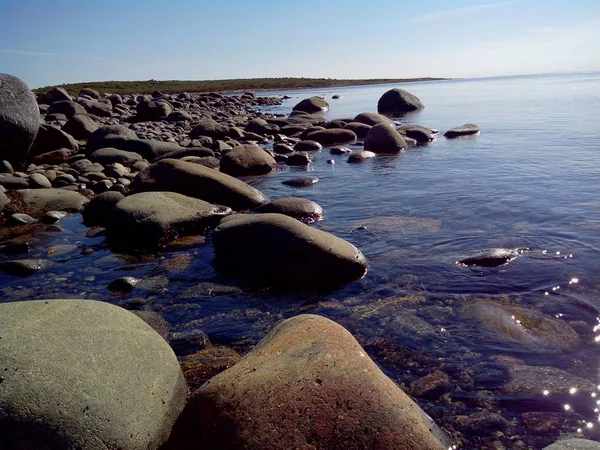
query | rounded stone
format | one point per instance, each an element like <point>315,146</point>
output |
<point>96,212</point>
<point>111,155</point>
<point>398,101</point>
<point>296,207</point>
<point>312,105</point>
<point>248,159</point>
<point>359,157</point>
<point>332,136</point>
<point>384,139</point>
<point>307,146</point>
<point>371,119</point>
<point>467,129</point>
<point>40,201</point>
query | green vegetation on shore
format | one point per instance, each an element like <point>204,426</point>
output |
<point>233,85</point>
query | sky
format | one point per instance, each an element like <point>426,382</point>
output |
<point>47,42</point>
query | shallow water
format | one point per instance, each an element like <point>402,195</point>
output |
<point>528,181</point>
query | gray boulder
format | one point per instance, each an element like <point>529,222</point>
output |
<point>195,180</point>
<point>398,101</point>
<point>66,107</point>
<point>56,94</point>
<point>384,139</point>
<point>40,201</point>
<point>110,155</point>
<point>368,118</point>
<point>109,136</point>
<point>312,105</point>
<point>296,207</point>
<point>574,444</point>
<point>149,111</point>
<point>90,93</point>
<point>307,385</point>
<point>80,126</point>
<point>149,149</point>
<point>150,219</point>
<point>97,211</point>
<point>210,128</point>
<point>307,146</point>
<point>19,119</point>
<point>285,251</point>
<point>359,157</point>
<point>360,129</point>
<point>179,116</point>
<point>464,130</point>
<point>96,108</point>
<point>332,136</point>
<point>248,159</point>
<point>50,138</point>
<point>84,374</point>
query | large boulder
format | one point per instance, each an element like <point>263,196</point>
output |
<point>96,108</point>
<point>80,126</point>
<point>111,155</point>
<point>307,384</point>
<point>66,107</point>
<point>419,133</point>
<point>312,105</point>
<point>384,139</point>
<point>247,159</point>
<point>39,201</point>
<point>210,128</point>
<point>109,136</point>
<point>97,211</point>
<point>574,444</point>
<point>150,219</point>
<point>297,207</point>
<point>283,250</point>
<point>368,118</point>
<point>84,374</point>
<point>147,111</point>
<point>19,119</point>
<point>195,180</point>
<point>398,101</point>
<point>50,138</point>
<point>149,149</point>
<point>332,136</point>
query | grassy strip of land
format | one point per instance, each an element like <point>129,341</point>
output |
<point>232,85</point>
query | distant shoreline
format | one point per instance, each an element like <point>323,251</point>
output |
<point>223,86</point>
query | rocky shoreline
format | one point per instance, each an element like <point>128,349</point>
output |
<point>150,171</point>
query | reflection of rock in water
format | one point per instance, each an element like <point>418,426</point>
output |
<point>401,224</point>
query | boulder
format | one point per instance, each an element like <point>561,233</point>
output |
<point>574,444</point>
<point>296,207</point>
<point>53,157</point>
<point>66,107</point>
<point>149,111</point>
<point>80,126</point>
<point>301,182</point>
<point>90,93</point>
<point>149,149</point>
<point>96,108</point>
<point>384,139</point>
<point>490,258</point>
<point>210,128</point>
<point>299,159</point>
<point>24,268</point>
<point>359,157</point>
<point>150,219</point>
<point>56,94</point>
<point>261,126</point>
<point>97,211</point>
<point>40,201</point>
<point>417,132</point>
<point>312,105</point>
<point>464,130</point>
<point>368,118</point>
<point>110,155</point>
<point>248,159</point>
<point>360,129</point>
<point>11,182</point>
<point>307,384</point>
<point>179,116</point>
<point>307,146</point>
<point>398,101</point>
<point>332,136</point>
<point>195,180</point>
<point>19,119</point>
<point>84,374</point>
<point>109,136</point>
<point>282,250</point>
<point>50,138</point>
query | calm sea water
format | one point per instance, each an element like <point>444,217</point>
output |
<point>529,181</point>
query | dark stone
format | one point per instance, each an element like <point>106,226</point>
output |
<point>334,136</point>
<point>307,146</point>
<point>10,182</point>
<point>90,93</point>
<point>339,150</point>
<point>24,267</point>
<point>66,107</point>
<point>373,119</point>
<point>301,182</point>
<point>19,119</point>
<point>467,129</point>
<point>50,138</point>
<point>360,129</point>
<point>398,101</point>
<point>417,132</point>
<point>150,111</point>
<point>96,108</point>
<point>248,159</point>
<point>490,258</point>
<point>109,155</point>
<point>210,128</point>
<point>359,157</point>
<point>109,136</point>
<point>298,159</point>
<point>299,208</point>
<point>384,139</point>
<point>54,157</point>
<point>312,105</point>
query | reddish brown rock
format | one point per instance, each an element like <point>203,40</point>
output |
<point>431,386</point>
<point>307,385</point>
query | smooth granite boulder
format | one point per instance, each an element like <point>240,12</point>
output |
<point>19,119</point>
<point>284,251</point>
<point>312,105</point>
<point>368,118</point>
<point>398,101</point>
<point>297,207</point>
<point>247,159</point>
<point>467,129</point>
<point>210,128</point>
<point>150,219</point>
<point>332,136</point>
<point>360,129</point>
<point>109,136</point>
<point>152,110</point>
<point>40,201</point>
<point>574,444</point>
<point>384,139</point>
<point>97,211</point>
<point>195,180</point>
<point>84,374</point>
<point>90,93</point>
<point>417,132</point>
<point>96,108</point>
<point>307,385</point>
<point>111,155</point>
<point>80,126</point>
<point>66,107</point>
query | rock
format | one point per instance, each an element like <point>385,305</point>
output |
<point>24,268</point>
<point>306,375</point>
<point>417,132</point>
<point>80,126</point>
<point>248,159</point>
<point>66,107</point>
<point>285,251</point>
<point>490,258</point>
<point>90,93</point>
<point>197,181</point>
<point>398,101</point>
<point>312,105</point>
<point>99,109</point>
<point>359,157</point>
<point>431,386</point>
<point>482,423</point>
<point>155,320</point>
<point>56,94</point>
<point>109,136</point>
<point>333,136</point>
<point>179,116</point>
<point>6,167</point>
<point>574,444</point>
<point>21,219</point>
<point>54,157</point>
<point>528,382</point>
<point>123,285</point>
<point>371,119</point>
<point>96,212</point>
<point>201,366</point>
<point>360,129</point>
<point>283,149</point>
<point>148,148</point>
<point>4,201</point>
<point>111,155</point>
<point>464,130</point>
<point>339,150</point>
<point>39,181</point>
<point>301,182</point>
<point>150,219</point>
<point>69,381</point>
<point>299,208</point>
<point>261,126</point>
<point>298,159</point>
<point>19,119</point>
<point>384,139</point>
<point>307,146</point>
<point>54,216</point>
<point>190,151</point>
<point>210,128</point>
<point>50,138</point>
<point>206,289</point>
<point>152,110</point>
<point>10,182</point>
<point>40,201</point>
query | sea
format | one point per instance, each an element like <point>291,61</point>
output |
<point>519,343</point>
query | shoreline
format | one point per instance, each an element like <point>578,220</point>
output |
<point>229,86</point>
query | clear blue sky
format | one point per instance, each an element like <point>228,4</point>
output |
<point>60,41</point>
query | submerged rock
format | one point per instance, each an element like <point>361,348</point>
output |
<point>490,258</point>
<point>248,159</point>
<point>285,251</point>
<point>574,444</point>
<point>301,182</point>
<point>24,267</point>
<point>464,130</point>
<point>384,139</point>
<point>398,101</point>
<point>306,375</point>
<point>84,374</point>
